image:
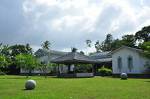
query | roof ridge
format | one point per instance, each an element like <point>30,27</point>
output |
<point>123,46</point>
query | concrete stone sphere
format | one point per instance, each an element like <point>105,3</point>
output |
<point>30,84</point>
<point>124,76</point>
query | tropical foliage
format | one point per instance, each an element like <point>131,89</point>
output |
<point>105,71</point>
<point>143,34</point>
<point>26,62</point>
<point>83,68</point>
<point>146,47</point>
<point>3,61</point>
<point>3,64</point>
<point>46,45</point>
<point>141,37</point>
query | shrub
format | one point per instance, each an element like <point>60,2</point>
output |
<point>83,68</point>
<point>147,66</point>
<point>2,73</point>
<point>105,71</point>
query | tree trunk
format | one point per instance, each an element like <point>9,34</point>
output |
<point>45,73</point>
<point>29,74</point>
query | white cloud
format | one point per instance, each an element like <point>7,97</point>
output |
<point>68,23</point>
<point>85,18</point>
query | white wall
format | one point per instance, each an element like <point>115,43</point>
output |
<point>36,71</point>
<point>84,74</point>
<point>138,61</point>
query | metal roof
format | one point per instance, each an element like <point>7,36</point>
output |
<point>101,55</point>
<point>73,58</point>
<point>103,60</point>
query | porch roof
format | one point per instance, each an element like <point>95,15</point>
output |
<point>74,58</point>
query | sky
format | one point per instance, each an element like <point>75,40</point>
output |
<point>69,23</point>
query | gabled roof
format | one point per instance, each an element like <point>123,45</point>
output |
<point>130,48</point>
<point>43,52</point>
<point>73,58</point>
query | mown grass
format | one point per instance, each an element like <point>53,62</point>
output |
<point>12,87</point>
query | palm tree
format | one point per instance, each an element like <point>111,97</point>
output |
<point>46,45</point>
<point>28,48</point>
<point>88,43</point>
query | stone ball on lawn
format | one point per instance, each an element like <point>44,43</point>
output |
<point>30,84</point>
<point>124,76</point>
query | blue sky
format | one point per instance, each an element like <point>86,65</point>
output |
<point>68,23</point>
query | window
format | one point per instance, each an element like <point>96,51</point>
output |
<point>130,63</point>
<point>119,63</point>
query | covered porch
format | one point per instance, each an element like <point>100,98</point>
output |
<point>74,64</point>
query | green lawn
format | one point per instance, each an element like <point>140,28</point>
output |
<point>12,87</point>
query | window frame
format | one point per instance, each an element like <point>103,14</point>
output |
<point>130,63</point>
<point>119,63</point>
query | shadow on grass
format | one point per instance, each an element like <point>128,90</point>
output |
<point>147,81</point>
<point>55,77</point>
<point>21,77</point>
<point>27,89</point>
<point>24,89</point>
<point>14,78</point>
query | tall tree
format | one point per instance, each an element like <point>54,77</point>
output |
<point>18,49</point>
<point>97,46</point>
<point>28,48</point>
<point>106,44</point>
<point>1,48</point>
<point>128,40</point>
<point>5,50</point>
<point>73,49</point>
<point>146,47</point>
<point>46,45</point>
<point>116,44</point>
<point>44,65</point>
<point>109,39</point>
<point>143,34</point>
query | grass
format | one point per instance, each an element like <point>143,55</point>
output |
<point>12,87</point>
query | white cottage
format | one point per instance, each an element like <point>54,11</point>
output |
<point>128,60</point>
